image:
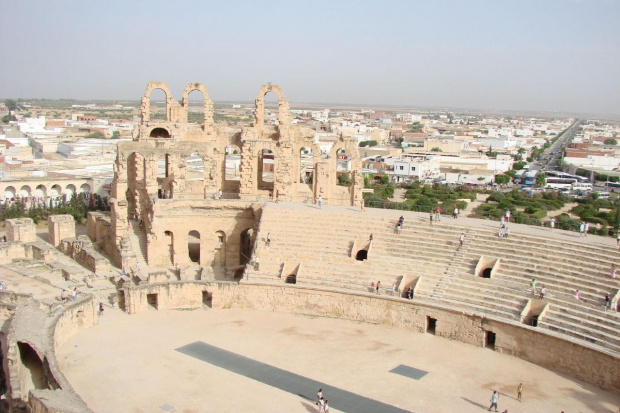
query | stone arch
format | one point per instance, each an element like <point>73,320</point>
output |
<point>207,102</point>
<point>32,374</point>
<point>25,191</point>
<point>85,189</point>
<point>245,247</point>
<point>266,171</point>
<point>146,100</point>
<point>284,116</point>
<point>169,240</point>
<point>195,169</point>
<point>219,253</point>
<point>232,163</point>
<point>40,191</point>
<point>159,133</point>
<point>194,246</point>
<point>70,191</point>
<point>10,192</point>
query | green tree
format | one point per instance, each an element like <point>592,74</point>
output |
<point>521,151</point>
<point>611,141</point>
<point>502,179</point>
<point>116,134</point>
<point>11,105</point>
<point>540,179</point>
<point>95,135</point>
<point>436,149</point>
<point>518,165</point>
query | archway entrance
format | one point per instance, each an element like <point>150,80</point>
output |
<point>361,255</point>
<point>219,254</point>
<point>170,245</point>
<point>246,246</point>
<point>32,373</point>
<point>193,246</point>
<point>306,165</point>
<point>266,170</point>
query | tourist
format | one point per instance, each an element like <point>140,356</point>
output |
<point>372,286</point>
<point>378,286</point>
<point>219,193</point>
<point>613,271</point>
<point>586,228</point>
<point>74,294</point>
<point>461,239</point>
<point>506,232</point>
<point>362,204</point>
<point>455,212</point>
<point>577,295</point>
<point>494,398</point>
<point>543,291</point>
<point>552,223</point>
<point>618,240</point>
<point>607,300</point>
<point>533,286</point>
<point>410,292</point>
<point>438,214</point>
<point>398,228</point>
<point>582,228</point>
<point>401,221</point>
<point>519,391</point>
<point>507,215</point>
<point>100,309</point>
<point>268,242</point>
<point>320,401</point>
<point>320,202</point>
<point>370,239</point>
<point>431,217</point>
<point>123,272</point>
<point>326,406</point>
<point>63,295</point>
<point>277,196</point>
<point>501,221</point>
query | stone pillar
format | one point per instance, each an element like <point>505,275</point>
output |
<point>21,229</point>
<point>60,227</point>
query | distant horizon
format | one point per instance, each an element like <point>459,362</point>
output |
<point>552,56</point>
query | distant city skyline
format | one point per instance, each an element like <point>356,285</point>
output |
<point>540,56</point>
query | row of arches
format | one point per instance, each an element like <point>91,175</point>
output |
<point>42,191</point>
<point>195,246</point>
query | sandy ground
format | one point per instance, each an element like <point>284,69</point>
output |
<point>128,364</point>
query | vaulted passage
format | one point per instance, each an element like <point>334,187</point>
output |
<point>32,373</point>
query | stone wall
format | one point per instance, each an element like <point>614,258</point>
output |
<point>11,250</point>
<point>172,295</point>
<point>83,252</point>
<point>21,229</point>
<point>60,227</point>
<point>543,348</point>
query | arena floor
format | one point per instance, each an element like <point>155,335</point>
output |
<point>158,361</point>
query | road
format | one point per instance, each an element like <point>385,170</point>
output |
<point>552,154</point>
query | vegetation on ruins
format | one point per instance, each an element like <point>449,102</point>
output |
<point>368,143</point>
<point>611,141</point>
<point>77,207</point>
<point>96,135</point>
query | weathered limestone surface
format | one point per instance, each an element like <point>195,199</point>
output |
<point>60,227</point>
<point>21,229</point>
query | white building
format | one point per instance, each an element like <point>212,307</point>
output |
<point>408,168</point>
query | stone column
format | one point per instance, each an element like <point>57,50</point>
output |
<point>60,227</point>
<point>21,229</point>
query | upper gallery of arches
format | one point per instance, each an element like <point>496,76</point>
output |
<point>284,116</point>
<point>173,122</point>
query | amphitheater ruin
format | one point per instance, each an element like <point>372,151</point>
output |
<point>182,234</point>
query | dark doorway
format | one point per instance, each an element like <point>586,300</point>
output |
<point>486,273</point>
<point>431,325</point>
<point>31,362</point>
<point>291,279</point>
<point>159,133</point>
<point>193,246</point>
<point>121,299</point>
<point>207,299</point>
<point>151,299</point>
<point>489,340</point>
<point>361,255</point>
<point>246,246</point>
<point>534,321</point>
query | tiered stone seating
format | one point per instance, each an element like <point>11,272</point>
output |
<point>322,243</point>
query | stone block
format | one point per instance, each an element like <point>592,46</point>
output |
<point>21,229</point>
<point>60,227</point>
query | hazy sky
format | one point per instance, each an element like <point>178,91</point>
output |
<point>527,55</point>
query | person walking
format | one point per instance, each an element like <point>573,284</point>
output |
<point>582,228</point>
<point>438,214</point>
<point>431,217</point>
<point>378,286</point>
<point>533,286</point>
<point>519,391</point>
<point>552,223</point>
<point>371,238</point>
<point>362,204</point>
<point>494,398</point>
<point>613,271</point>
<point>320,202</point>
<point>268,242</point>
<point>100,309</point>
<point>586,228</point>
<point>455,212</point>
<point>607,300</point>
<point>543,292</point>
<point>219,193</point>
<point>461,239</point>
<point>507,215</point>
<point>326,406</point>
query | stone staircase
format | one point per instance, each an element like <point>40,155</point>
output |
<point>322,243</point>
<point>137,240</point>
